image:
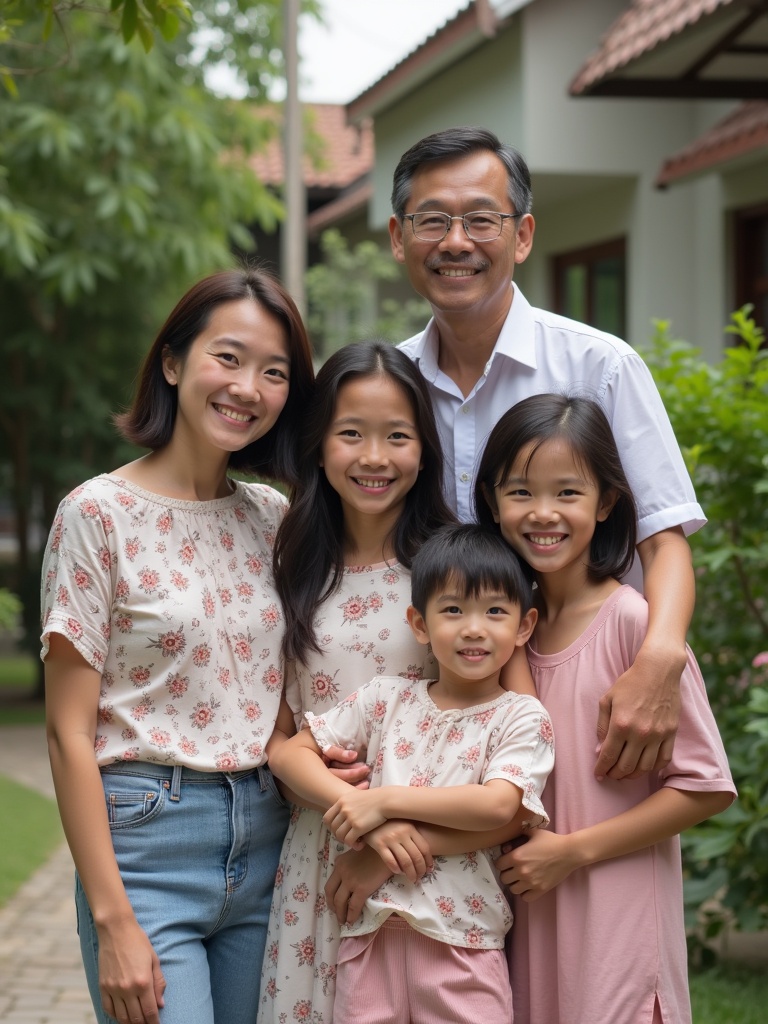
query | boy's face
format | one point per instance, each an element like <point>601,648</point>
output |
<point>471,637</point>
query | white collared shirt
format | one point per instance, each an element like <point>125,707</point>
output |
<point>538,352</point>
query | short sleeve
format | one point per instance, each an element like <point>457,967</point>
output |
<point>650,453</point>
<point>524,755</point>
<point>346,725</point>
<point>76,594</point>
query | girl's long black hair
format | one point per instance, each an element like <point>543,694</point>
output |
<point>309,547</point>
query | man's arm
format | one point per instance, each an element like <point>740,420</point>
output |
<point>638,716</point>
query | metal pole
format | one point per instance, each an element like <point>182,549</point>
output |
<point>294,232</point>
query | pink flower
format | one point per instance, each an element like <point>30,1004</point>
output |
<point>132,548</point>
<point>186,552</point>
<point>74,629</point>
<point>272,678</point>
<point>353,609</point>
<point>82,578</point>
<point>177,685</point>
<point>760,659</point>
<point>170,644</point>
<point>148,580</point>
<point>164,522</point>
<point>270,617</point>
<point>403,748</point>
<point>305,951</point>
<point>139,676</point>
<point>324,687</point>
<point>475,904</point>
<point>227,762</point>
<point>254,564</point>
<point>201,655</point>
<point>179,580</point>
<point>227,540</point>
<point>122,589</point>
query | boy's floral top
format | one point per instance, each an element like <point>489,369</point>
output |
<point>174,604</point>
<point>412,742</point>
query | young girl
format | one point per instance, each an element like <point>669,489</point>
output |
<point>458,749</point>
<point>607,880</point>
<point>161,639</point>
<point>369,494</point>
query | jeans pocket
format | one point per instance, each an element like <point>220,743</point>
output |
<point>268,778</point>
<point>132,800</point>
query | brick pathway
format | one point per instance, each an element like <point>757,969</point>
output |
<point>41,975</point>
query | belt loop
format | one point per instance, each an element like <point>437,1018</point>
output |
<point>176,783</point>
<point>263,780</point>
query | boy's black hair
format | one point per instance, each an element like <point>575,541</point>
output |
<point>475,558</point>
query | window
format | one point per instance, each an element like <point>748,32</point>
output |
<point>591,286</point>
<point>751,240</point>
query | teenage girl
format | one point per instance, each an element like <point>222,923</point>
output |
<point>369,494</point>
<point>599,896</point>
<point>162,639</point>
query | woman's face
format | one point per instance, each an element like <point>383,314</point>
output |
<point>233,380</point>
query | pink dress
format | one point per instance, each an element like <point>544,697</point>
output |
<point>609,941</point>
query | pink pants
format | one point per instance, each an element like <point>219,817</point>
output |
<point>404,977</point>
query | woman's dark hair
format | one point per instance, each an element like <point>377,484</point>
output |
<point>473,558</point>
<point>583,424</point>
<point>309,548</point>
<point>451,144</point>
<point>150,420</point>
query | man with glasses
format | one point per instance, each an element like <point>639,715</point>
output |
<point>461,222</point>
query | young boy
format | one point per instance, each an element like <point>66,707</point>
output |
<point>459,751</point>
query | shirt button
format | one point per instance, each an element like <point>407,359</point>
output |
<point>465,478</point>
<point>465,409</point>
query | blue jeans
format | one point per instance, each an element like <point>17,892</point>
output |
<point>197,852</point>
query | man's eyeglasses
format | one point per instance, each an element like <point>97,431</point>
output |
<point>479,226</point>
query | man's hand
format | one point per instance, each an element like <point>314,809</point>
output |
<point>347,766</point>
<point>356,875</point>
<point>538,865</point>
<point>638,717</point>
<point>402,848</point>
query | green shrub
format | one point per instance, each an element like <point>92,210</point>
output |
<point>720,416</point>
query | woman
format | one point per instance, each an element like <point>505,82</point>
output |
<point>161,639</point>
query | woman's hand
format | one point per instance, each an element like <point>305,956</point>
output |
<point>356,875</point>
<point>537,865</point>
<point>130,979</point>
<point>402,848</point>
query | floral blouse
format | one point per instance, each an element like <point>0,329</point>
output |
<point>173,602</point>
<point>412,742</point>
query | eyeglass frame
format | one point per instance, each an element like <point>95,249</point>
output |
<point>462,217</point>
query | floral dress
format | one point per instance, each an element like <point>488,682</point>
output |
<point>364,632</point>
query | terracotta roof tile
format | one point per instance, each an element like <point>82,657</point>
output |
<point>636,32</point>
<point>346,151</point>
<point>741,132</point>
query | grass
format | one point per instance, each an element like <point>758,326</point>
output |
<point>31,832</point>
<point>729,994</point>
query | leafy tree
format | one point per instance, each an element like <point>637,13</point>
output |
<point>344,300</point>
<point>123,179</point>
<point>720,417</point>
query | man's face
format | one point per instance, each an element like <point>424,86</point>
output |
<point>458,275</point>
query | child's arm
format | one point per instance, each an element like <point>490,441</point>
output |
<point>470,807</point>
<point>547,858</point>
<point>516,674</point>
<point>359,873</point>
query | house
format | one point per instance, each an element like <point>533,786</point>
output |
<point>339,157</point>
<point>650,196</point>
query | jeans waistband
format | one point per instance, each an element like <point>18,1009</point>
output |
<point>179,774</point>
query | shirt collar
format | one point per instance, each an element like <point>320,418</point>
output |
<point>517,339</point>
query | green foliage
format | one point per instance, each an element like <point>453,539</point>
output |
<point>344,300</point>
<point>720,417</point>
<point>123,178</point>
<point>10,608</point>
<point>31,832</point>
